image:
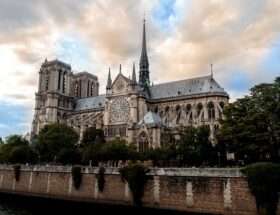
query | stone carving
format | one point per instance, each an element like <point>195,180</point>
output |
<point>119,110</point>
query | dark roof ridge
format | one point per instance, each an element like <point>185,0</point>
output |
<point>182,80</point>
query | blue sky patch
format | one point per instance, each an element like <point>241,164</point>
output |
<point>74,51</point>
<point>271,64</point>
<point>13,119</point>
<point>239,82</point>
<point>163,11</point>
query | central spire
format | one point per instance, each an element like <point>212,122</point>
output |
<point>144,77</point>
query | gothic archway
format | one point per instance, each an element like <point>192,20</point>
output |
<point>143,142</point>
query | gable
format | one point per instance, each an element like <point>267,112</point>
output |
<point>120,84</point>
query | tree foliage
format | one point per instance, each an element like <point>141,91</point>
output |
<point>136,177</point>
<point>69,156</point>
<point>53,138</point>
<point>114,150</point>
<point>17,150</point>
<point>195,148</point>
<point>17,172</point>
<point>263,181</point>
<point>100,176</point>
<point>23,154</point>
<point>251,127</point>
<point>77,176</point>
<point>92,135</point>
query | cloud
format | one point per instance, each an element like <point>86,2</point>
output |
<point>184,38</point>
<point>233,35</point>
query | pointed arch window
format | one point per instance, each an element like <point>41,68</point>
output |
<point>143,143</point>
<point>64,82</point>
<point>76,89</point>
<point>88,88</point>
<point>92,88</point>
<point>211,110</point>
<point>59,79</point>
<point>47,82</point>
<point>178,114</point>
<point>200,110</point>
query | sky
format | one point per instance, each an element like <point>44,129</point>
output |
<point>240,38</point>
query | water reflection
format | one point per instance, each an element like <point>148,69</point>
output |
<point>22,205</point>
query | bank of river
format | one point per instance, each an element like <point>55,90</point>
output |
<point>22,205</point>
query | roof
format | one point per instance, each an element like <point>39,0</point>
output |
<point>55,62</point>
<point>187,87</point>
<point>90,103</point>
<point>84,73</point>
<point>151,119</point>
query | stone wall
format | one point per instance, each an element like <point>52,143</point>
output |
<point>217,191</point>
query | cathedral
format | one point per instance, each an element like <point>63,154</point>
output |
<point>134,110</point>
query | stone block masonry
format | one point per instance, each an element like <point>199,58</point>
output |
<point>213,190</point>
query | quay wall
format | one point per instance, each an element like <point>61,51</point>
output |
<point>205,190</point>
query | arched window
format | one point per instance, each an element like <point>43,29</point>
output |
<point>64,82</point>
<point>211,110</point>
<point>88,88</point>
<point>178,114</point>
<point>188,111</point>
<point>80,88</point>
<point>47,82</point>
<point>166,114</point>
<point>199,109</point>
<point>156,109</point>
<point>76,89</point>
<point>143,143</point>
<point>92,89</point>
<point>222,105</point>
<point>59,79</point>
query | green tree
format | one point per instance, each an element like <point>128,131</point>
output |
<point>251,127</point>
<point>16,149</point>
<point>195,147</point>
<point>263,181</point>
<point>161,155</point>
<point>22,154</point>
<point>69,156</point>
<point>92,153</point>
<point>92,135</point>
<point>53,138</point>
<point>118,149</point>
<point>113,150</point>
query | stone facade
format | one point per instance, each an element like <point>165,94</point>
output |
<point>137,111</point>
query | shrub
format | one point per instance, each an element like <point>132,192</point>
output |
<point>135,176</point>
<point>263,181</point>
<point>22,154</point>
<point>17,172</point>
<point>54,137</point>
<point>92,136</point>
<point>101,179</point>
<point>76,176</point>
<point>68,156</point>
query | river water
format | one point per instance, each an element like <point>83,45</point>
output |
<point>20,205</point>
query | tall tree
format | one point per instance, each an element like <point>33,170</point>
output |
<point>92,135</point>
<point>195,148</point>
<point>251,127</point>
<point>53,138</point>
<point>17,150</point>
